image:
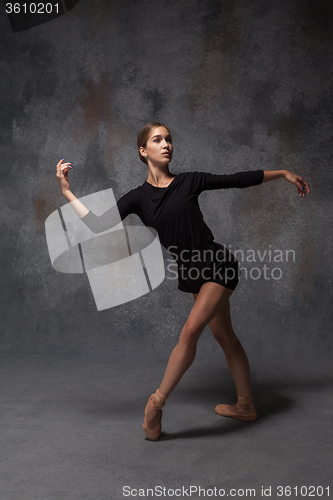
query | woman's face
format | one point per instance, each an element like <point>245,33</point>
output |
<point>159,146</point>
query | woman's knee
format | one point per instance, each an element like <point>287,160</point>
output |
<point>225,337</point>
<point>190,334</point>
<point>221,326</point>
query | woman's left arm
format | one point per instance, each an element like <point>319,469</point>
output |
<point>300,183</point>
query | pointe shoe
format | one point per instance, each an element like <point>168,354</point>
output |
<point>156,400</point>
<point>245,415</point>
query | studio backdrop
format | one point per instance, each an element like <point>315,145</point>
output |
<point>242,86</point>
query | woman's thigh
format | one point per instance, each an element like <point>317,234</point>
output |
<point>221,324</point>
<point>211,299</point>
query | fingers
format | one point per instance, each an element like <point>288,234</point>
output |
<point>61,164</point>
<point>302,186</point>
<point>62,168</point>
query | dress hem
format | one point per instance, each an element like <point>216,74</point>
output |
<point>210,281</point>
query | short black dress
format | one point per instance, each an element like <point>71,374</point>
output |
<point>175,214</point>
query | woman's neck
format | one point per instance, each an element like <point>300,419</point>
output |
<point>158,176</point>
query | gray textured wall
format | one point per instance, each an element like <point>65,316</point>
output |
<point>243,85</point>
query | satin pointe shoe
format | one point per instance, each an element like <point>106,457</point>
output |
<point>241,414</point>
<point>156,401</point>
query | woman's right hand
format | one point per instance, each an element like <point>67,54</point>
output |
<point>62,174</point>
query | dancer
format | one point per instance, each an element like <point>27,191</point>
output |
<point>169,203</point>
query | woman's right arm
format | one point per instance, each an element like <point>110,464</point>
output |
<point>62,175</point>
<point>97,224</point>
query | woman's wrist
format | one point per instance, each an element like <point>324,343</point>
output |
<point>271,175</point>
<point>68,195</point>
<point>76,205</point>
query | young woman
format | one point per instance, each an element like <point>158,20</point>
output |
<point>169,203</point>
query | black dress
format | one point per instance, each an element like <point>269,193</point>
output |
<point>174,213</point>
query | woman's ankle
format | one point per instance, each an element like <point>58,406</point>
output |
<point>161,397</point>
<point>246,403</point>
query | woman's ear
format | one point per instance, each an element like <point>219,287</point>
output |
<point>142,151</point>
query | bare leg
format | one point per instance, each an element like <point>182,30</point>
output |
<point>210,300</point>
<point>223,332</point>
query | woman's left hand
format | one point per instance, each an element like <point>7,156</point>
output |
<point>300,183</point>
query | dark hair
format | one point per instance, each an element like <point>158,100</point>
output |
<point>144,134</point>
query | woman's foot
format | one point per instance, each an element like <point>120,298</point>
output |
<point>243,410</point>
<point>153,416</point>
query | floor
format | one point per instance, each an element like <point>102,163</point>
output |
<point>71,428</point>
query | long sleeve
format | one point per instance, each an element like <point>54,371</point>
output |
<point>205,181</point>
<point>126,205</point>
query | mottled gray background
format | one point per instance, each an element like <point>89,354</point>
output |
<point>243,85</point>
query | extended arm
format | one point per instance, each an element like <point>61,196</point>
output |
<point>97,224</point>
<point>206,181</point>
<point>297,180</point>
<point>62,175</point>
